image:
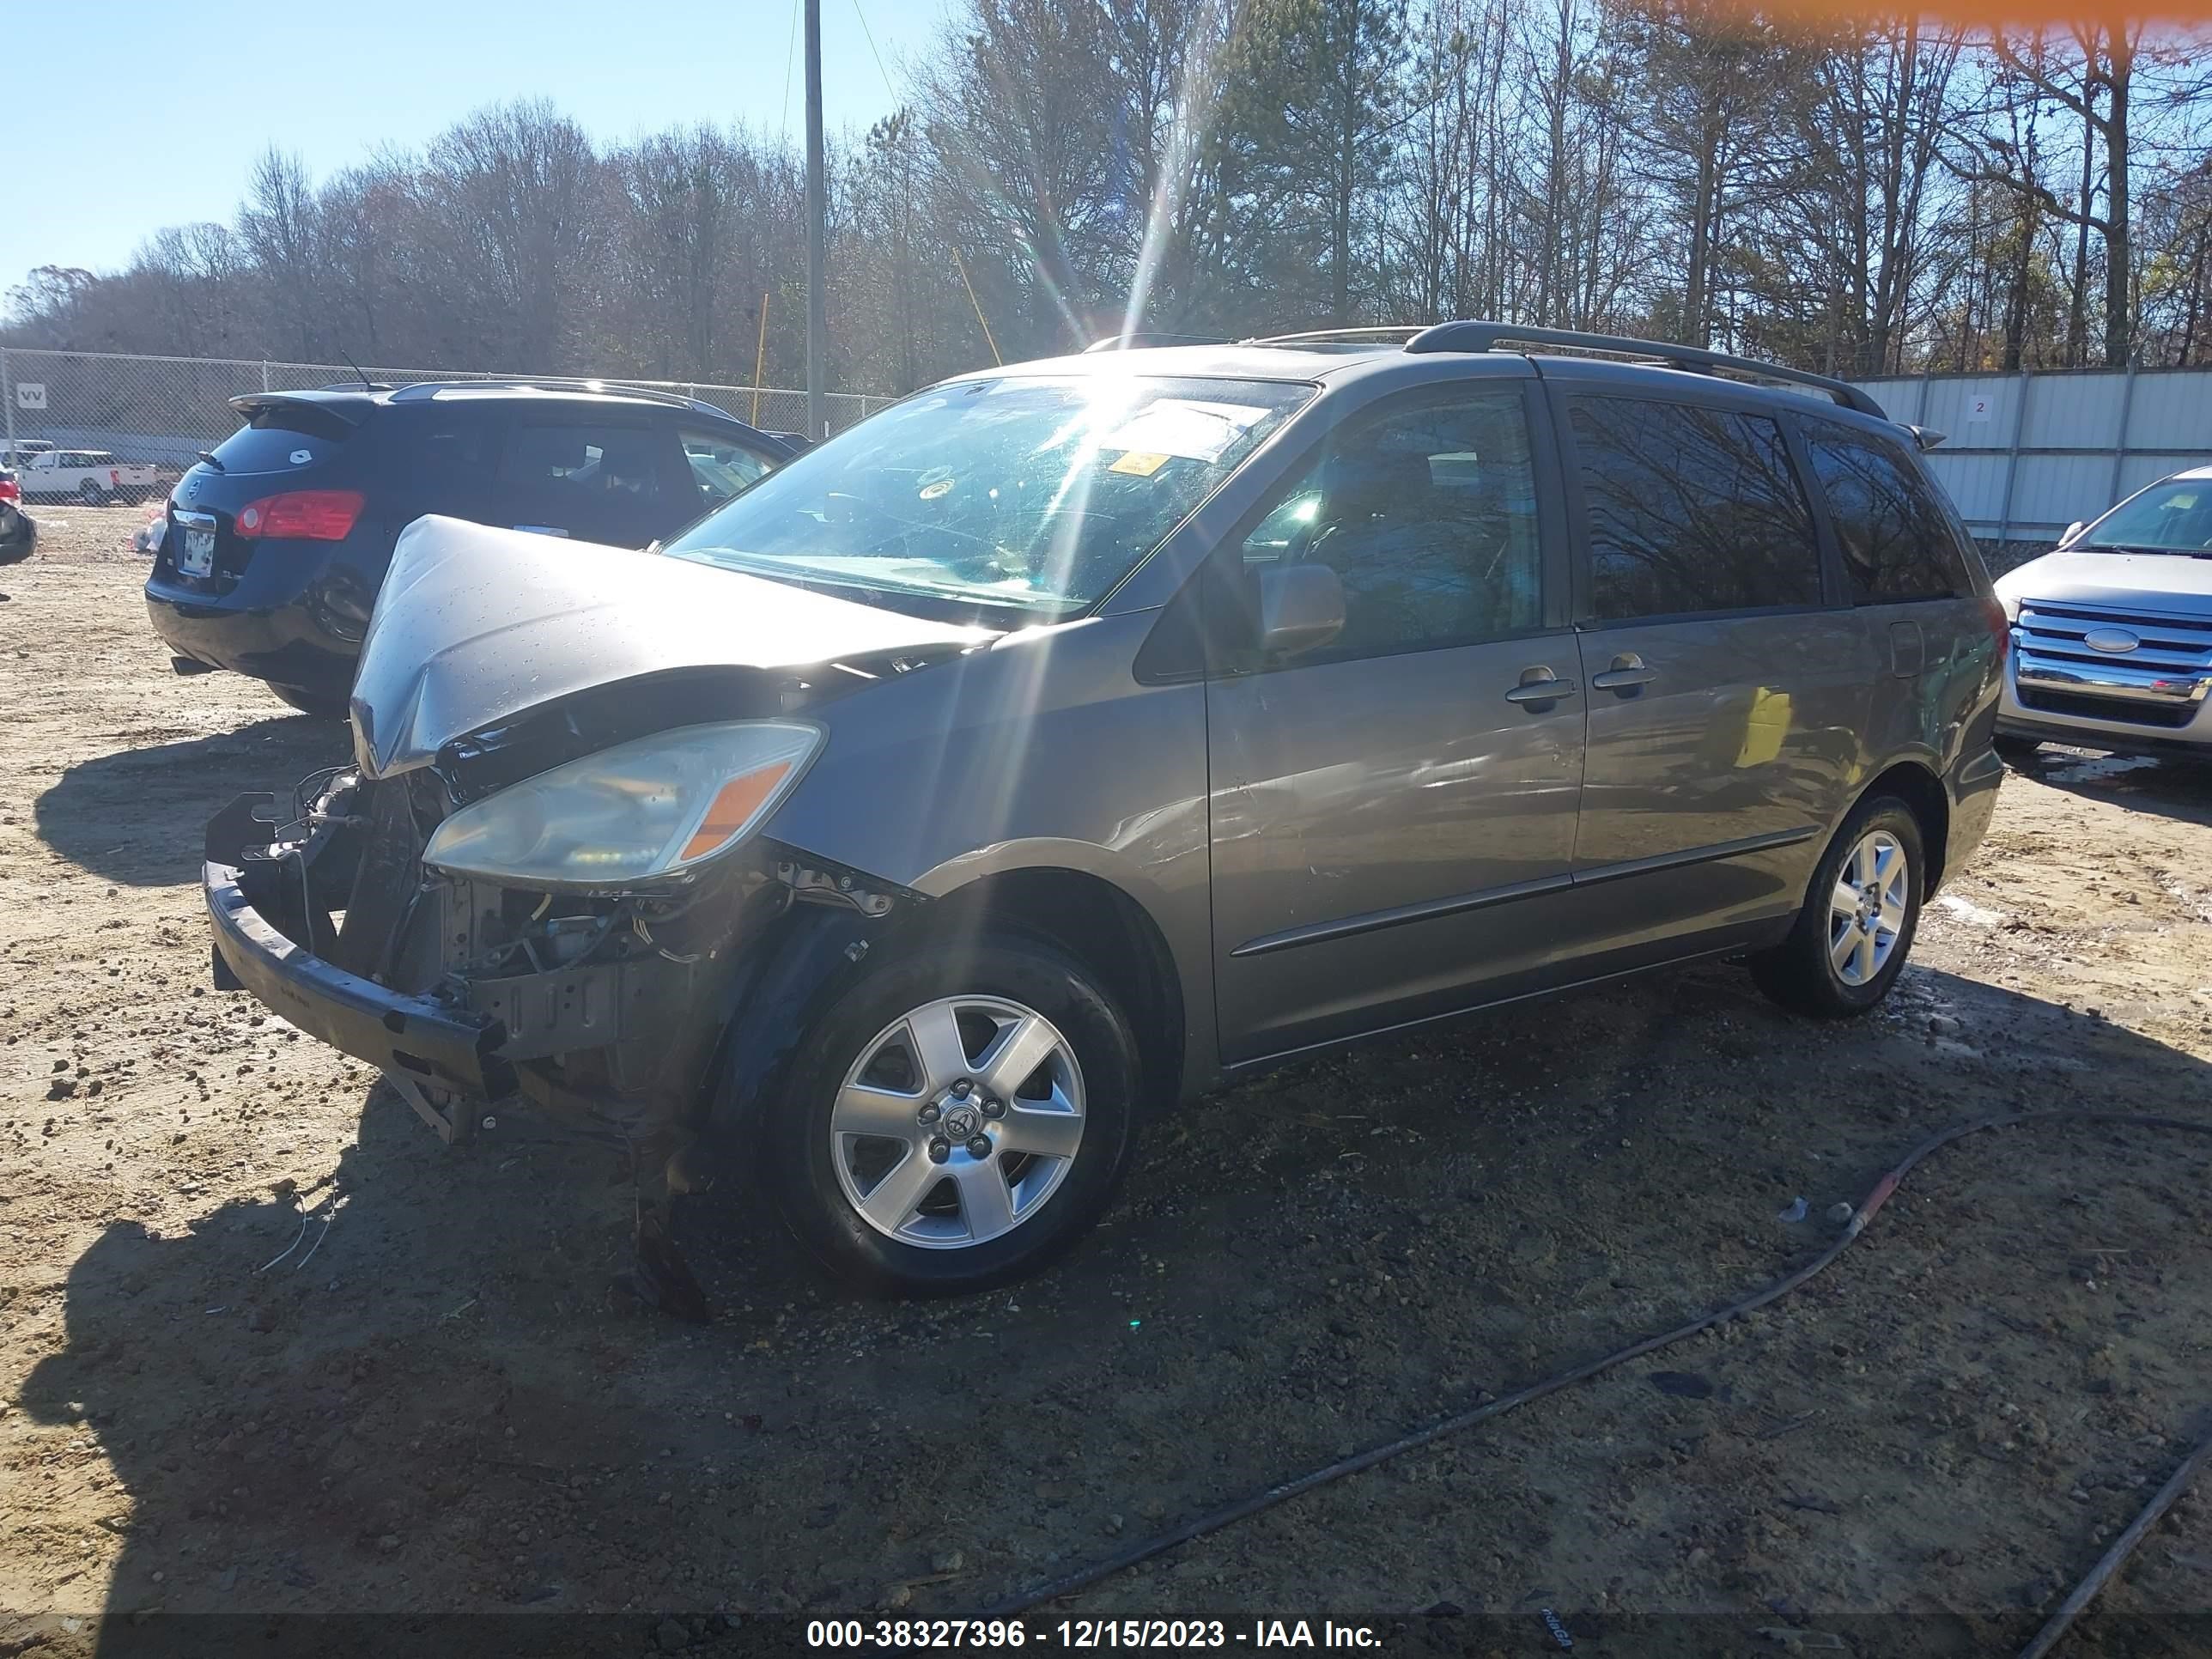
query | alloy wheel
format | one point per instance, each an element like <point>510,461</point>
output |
<point>957,1123</point>
<point>1867,912</point>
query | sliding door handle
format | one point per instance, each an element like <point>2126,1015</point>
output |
<point>1628,672</point>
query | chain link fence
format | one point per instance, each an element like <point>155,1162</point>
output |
<point>166,409</point>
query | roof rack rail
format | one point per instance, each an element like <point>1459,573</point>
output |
<point>1348,335</point>
<point>1143,342</point>
<point>1696,359</point>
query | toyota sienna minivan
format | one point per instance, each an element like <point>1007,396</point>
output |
<point>905,834</point>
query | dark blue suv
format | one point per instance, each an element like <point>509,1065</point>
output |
<point>277,542</point>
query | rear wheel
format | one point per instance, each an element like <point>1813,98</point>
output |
<point>323,705</point>
<point>90,493</point>
<point>1849,942</point>
<point>960,1117</point>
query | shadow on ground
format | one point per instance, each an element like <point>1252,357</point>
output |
<point>2175,788</point>
<point>447,1407</point>
<point>135,816</point>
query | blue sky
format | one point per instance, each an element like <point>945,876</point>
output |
<point>134,114</point>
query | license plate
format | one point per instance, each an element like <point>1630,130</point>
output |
<point>197,558</point>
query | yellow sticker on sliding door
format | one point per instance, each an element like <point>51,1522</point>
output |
<point>1765,728</point>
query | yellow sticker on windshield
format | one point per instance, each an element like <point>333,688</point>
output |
<point>1140,463</point>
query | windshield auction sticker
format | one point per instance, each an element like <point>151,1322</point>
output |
<point>1183,427</point>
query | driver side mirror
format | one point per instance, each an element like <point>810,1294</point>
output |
<point>1301,608</point>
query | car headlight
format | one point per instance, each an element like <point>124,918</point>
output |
<point>646,809</point>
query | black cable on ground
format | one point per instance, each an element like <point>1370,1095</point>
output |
<point>1243,1508</point>
<point>2086,1591</point>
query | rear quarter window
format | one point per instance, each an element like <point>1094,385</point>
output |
<point>442,460</point>
<point>1897,542</point>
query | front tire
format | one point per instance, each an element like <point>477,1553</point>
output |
<point>957,1119</point>
<point>1850,940</point>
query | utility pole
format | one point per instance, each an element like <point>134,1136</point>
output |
<point>818,327</point>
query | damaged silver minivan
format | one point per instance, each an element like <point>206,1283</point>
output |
<point>1072,735</point>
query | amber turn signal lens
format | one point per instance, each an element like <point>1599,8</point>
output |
<point>733,808</point>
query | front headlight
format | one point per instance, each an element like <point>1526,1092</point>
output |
<point>641,809</point>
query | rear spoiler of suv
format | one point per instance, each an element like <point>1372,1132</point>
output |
<point>352,411</point>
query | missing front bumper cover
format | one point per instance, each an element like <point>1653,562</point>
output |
<point>417,1036</point>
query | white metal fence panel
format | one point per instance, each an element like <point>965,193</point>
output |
<point>2173,410</point>
<point>167,409</point>
<point>2025,455</point>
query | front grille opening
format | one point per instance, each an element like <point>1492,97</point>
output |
<point>2060,628</point>
<point>2121,711</point>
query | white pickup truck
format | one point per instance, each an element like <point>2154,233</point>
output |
<point>90,476</point>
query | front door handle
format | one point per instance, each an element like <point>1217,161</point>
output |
<point>1539,685</point>
<point>1628,671</point>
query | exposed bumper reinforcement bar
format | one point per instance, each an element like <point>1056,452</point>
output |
<point>407,1035</point>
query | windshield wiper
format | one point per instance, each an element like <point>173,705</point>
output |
<point>2134,546</point>
<point>210,458</point>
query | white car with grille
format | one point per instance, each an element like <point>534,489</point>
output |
<point>2111,632</point>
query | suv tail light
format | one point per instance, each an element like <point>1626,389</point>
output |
<point>10,490</point>
<point>307,515</point>
<point>2000,627</point>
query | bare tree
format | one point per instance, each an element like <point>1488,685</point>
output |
<point>277,228</point>
<point>1866,174</point>
<point>511,196</point>
<point>1862,194</point>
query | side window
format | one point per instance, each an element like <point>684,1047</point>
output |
<point>580,459</point>
<point>719,468</point>
<point>1427,513</point>
<point>1896,537</point>
<point>447,465</point>
<point>601,482</point>
<point>1691,509</point>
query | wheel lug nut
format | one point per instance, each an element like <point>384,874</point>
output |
<point>979,1146</point>
<point>963,1089</point>
<point>993,1107</point>
<point>930,1113</point>
<point>940,1149</point>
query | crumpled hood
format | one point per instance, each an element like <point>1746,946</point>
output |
<point>2171,584</point>
<point>475,625</point>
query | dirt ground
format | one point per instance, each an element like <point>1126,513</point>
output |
<point>435,1404</point>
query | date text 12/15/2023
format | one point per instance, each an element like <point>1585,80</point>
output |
<point>1086,1633</point>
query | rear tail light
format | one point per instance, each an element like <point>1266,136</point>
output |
<point>307,515</point>
<point>2000,626</point>
<point>11,490</point>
